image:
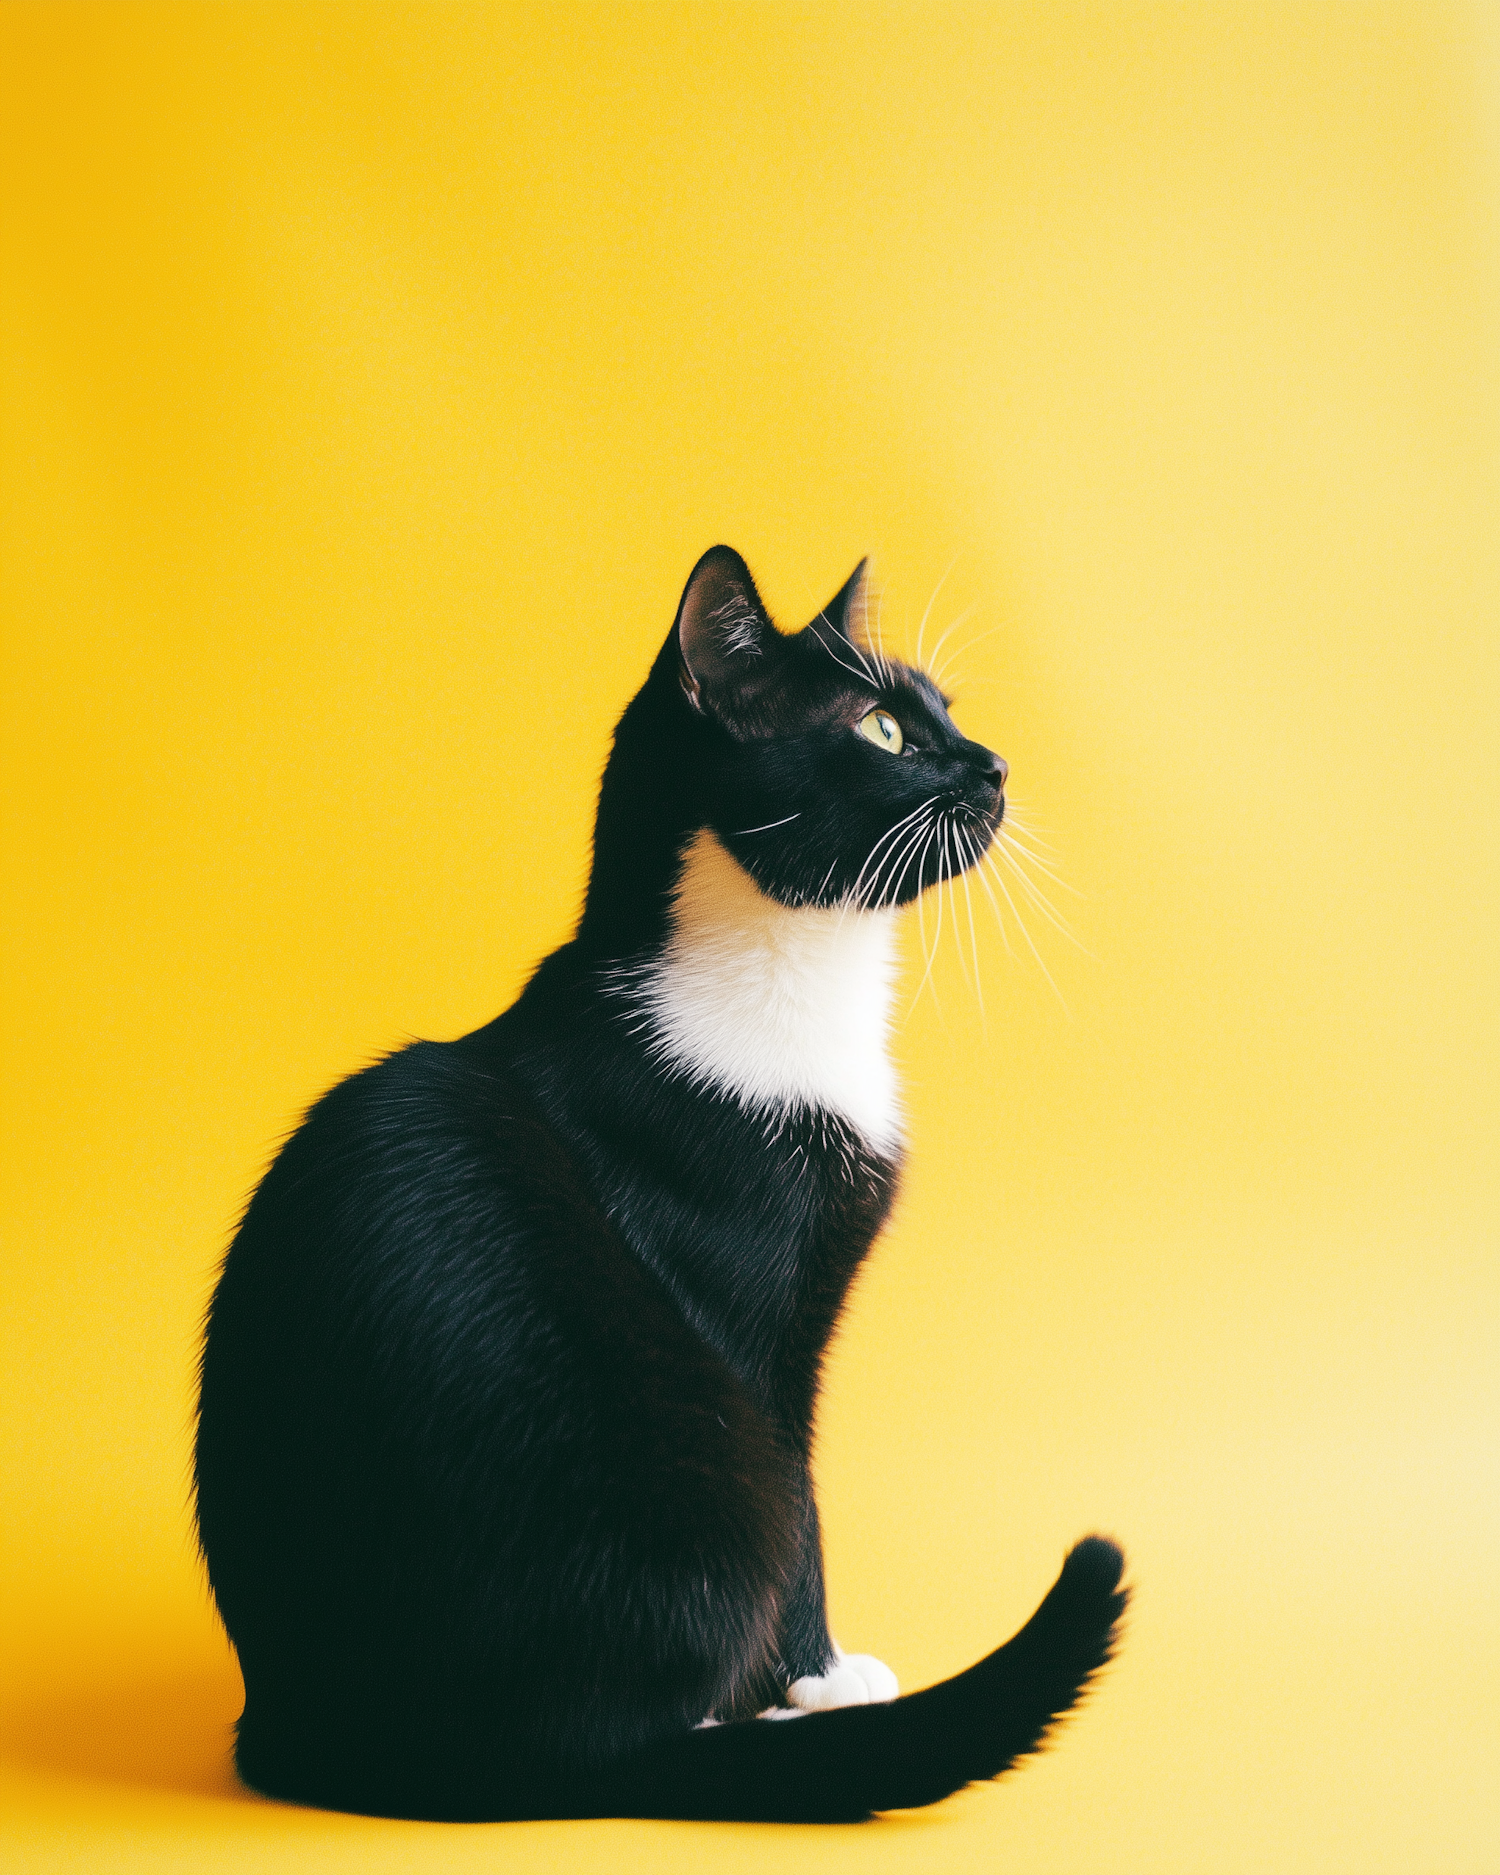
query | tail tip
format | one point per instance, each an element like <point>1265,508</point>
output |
<point>1094,1565</point>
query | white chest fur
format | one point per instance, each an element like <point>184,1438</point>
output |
<point>779,1008</point>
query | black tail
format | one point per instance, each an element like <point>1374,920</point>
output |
<point>840,1767</point>
<point>826,1767</point>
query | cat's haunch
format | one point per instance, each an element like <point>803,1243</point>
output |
<point>509,1380</point>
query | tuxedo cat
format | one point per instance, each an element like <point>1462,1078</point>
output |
<point>509,1380</point>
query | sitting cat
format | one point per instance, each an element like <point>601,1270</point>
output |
<point>509,1380</point>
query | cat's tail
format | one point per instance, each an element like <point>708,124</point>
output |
<point>839,1767</point>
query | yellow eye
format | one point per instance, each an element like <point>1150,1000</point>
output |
<point>881,728</point>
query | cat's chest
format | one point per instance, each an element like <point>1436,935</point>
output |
<point>784,1010</point>
<point>756,1228</point>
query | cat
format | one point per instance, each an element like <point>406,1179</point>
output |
<point>508,1382</point>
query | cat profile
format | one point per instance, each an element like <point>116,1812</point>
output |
<point>508,1383</point>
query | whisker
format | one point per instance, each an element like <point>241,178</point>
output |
<point>869,651</point>
<point>1015,816</point>
<point>1041,865</point>
<point>886,668</point>
<point>876,893</point>
<point>890,833</point>
<point>1018,815</point>
<point>963,649</point>
<point>963,834</point>
<point>1021,923</point>
<point>922,923</point>
<point>864,676</point>
<point>823,882</point>
<point>900,864</point>
<point>995,904</point>
<point>1023,836</point>
<point>949,828</point>
<point>937,935</point>
<point>861,647</point>
<point>1045,907</point>
<point>887,882</point>
<point>978,849</point>
<point>968,613</point>
<point>921,629</point>
<point>740,832</point>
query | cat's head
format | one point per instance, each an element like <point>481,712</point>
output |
<point>833,774</point>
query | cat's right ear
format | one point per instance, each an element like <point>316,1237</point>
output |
<point>725,640</point>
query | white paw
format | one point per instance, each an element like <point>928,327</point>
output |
<point>839,1686</point>
<point>852,1680</point>
<point>881,1683</point>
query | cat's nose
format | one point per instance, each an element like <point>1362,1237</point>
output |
<point>993,767</point>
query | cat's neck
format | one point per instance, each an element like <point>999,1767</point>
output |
<point>780,1007</point>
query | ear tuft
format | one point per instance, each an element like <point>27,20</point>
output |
<point>723,632</point>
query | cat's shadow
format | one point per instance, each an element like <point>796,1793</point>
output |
<point>167,1735</point>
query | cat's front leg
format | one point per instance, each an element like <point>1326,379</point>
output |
<point>822,1675</point>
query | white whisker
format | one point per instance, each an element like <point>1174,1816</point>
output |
<point>1021,923</point>
<point>1015,817</point>
<point>964,649</point>
<point>900,865</point>
<point>880,633</point>
<point>937,935</point>
<point>949,829</point>
<point>969,847</point>
<point>893,873</point>
<point>995,905</point>
<point>921,629</point>
<point>922,919</point>
<point>740,832</point>
<point>1045,906</point>
<point>1041,865</point>
<point>852,897</point>
<point>937,648</point>
<point>865,676</point>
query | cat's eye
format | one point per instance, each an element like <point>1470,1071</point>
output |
<point>881,728</point>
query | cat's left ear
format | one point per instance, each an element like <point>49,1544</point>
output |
<point>726,640</point>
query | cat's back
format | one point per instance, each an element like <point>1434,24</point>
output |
<point>401,1198</point>
<point>430,1345</point>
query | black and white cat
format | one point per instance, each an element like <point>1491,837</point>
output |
<point>509,1380</point>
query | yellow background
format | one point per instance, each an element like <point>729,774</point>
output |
<point>375,375</point>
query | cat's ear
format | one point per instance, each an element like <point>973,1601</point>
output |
<point>843,626</point>
<point>726,641</point>
<point>848,610</point>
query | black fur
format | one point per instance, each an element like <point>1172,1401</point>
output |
<point>509,1380</point>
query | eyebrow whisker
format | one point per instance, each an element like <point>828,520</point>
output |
<point>932,662</point>
<point>963,649</point>
<point>865,676</point>
<point>921,629</point>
